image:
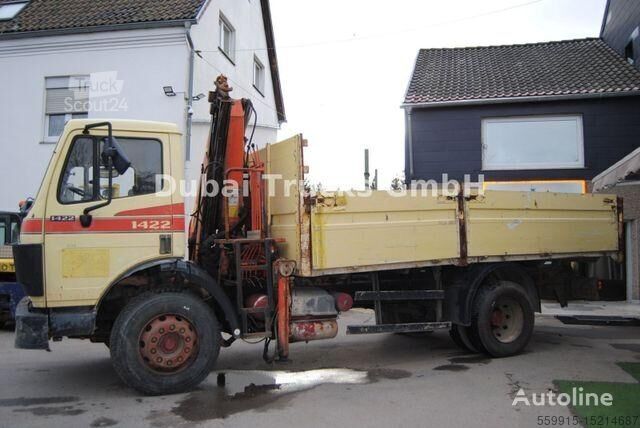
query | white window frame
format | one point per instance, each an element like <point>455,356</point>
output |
<point>67,117</point>
<point>58,82</point>
<point>579,164</point>
<point>258,75</point>
<point>224,24</point>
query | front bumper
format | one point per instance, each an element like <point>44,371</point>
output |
<point>32,327</point>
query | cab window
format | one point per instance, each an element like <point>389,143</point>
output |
<point>77,178</point>
<point>84,167</point>
<point>140,178</point>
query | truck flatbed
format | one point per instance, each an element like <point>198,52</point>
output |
<point>338,233</point>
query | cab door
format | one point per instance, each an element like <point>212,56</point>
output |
<point>136,227</point>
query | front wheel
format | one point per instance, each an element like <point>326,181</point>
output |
<point>502,319</point>
<point>164,343</point>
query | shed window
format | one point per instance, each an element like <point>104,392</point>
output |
<point>629,54</point>
<point>543,142</point>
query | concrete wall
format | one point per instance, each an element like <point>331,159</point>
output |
<point>449,140</point>
<point>246,18</point>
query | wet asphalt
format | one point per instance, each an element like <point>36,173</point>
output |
<point>373,380</point>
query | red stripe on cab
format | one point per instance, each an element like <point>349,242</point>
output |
<point>175,209</point>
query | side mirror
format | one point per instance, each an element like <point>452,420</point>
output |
<point>114,158</point>
<point>112,151</point>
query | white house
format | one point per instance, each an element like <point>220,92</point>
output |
<point>135,59</point>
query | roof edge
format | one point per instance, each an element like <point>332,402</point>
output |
<point>548,42</point>
<point>507,100</point>
<point>95,29</point>
<point>273,60</point>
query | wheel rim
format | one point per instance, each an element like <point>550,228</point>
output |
<point>168,343</point>
<point>507,320</point>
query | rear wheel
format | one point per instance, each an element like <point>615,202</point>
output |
<point>502,319</point>
<point>164,343</point>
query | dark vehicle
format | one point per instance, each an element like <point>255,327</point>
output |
<point>10,291</point>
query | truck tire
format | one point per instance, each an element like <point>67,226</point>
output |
<point>502,319</point>
<point>164,343</point>
<point>460,336</point>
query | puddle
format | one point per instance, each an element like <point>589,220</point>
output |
<point>34,401</point>
<point>633,347</point>
<point>104,422</point>
<point>452,367</point>
<point>239,391</point>
<point>470,359</point>
<point>578,345</point>
<point>52,411</point>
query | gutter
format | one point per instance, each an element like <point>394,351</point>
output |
<point>96,29</point>
<point>192,53</point>
<point>540,98</point>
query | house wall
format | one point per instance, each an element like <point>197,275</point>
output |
<point>448,140</point>
<point>246,18</point>
<point>621,23</point>
<point>145,61</point>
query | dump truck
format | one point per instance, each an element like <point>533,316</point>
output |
<point>106,252</point>
<point>10,291</point>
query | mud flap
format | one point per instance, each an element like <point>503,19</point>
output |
<point>32,328</point>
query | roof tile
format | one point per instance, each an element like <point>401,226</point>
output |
<point>571,67</point>
<point>43,15</point>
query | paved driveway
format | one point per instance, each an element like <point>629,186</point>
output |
<point>375,380</point>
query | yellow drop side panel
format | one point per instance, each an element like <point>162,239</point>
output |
<point>530,223</point>
<point>383,230</point>
<point>284,166</point>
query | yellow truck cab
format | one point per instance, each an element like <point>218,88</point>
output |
<point>78,242</point>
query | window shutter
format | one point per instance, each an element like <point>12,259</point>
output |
<point>67,95</point>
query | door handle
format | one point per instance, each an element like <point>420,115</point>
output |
<point>165,244</point>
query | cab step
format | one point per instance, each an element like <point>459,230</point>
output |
<point>398,328</point>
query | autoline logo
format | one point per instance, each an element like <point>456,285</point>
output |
<point>577,397</point>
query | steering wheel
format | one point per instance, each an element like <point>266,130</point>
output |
<point>78,191</point>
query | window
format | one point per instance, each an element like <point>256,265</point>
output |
<point>227,38</point>
<point>78,177</point>
<point>545,142</point>
<point>629,54</point>
<point>10,10</point>
<point>66,99</point>
<point>84,167</point>
<point>258,75</point>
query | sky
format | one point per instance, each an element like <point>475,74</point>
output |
<point>345,66</point>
